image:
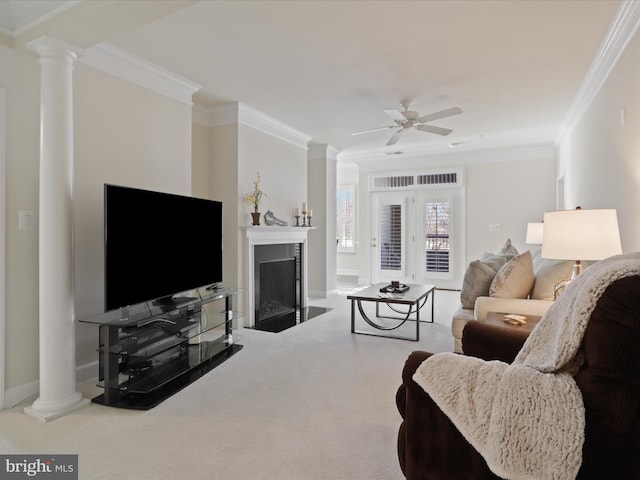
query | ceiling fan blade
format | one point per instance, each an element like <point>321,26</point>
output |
<point>432,129</point>
<point>373,130</point>
<point>395,137</point>
<point>396,115</point>
<point>442,114</point>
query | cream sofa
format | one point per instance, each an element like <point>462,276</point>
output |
<point>522,284</point>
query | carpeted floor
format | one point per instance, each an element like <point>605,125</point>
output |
<point>311,402</point>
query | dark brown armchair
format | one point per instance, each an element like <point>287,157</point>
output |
<point>430,446</point>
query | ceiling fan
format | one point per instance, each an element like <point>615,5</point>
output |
<point>411,119</point>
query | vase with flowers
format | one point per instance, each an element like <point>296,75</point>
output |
<point>254,198</point>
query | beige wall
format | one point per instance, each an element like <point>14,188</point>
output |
<point>20,75</point>
<point>223,186</point>
<point>321,191</point>
<point>233,155</point>
<point>495,192</point>
<point>509,194</point>
<point>283,168</point>
<point>201,163</point>
<point>600,158</point>
<point>124,134</point>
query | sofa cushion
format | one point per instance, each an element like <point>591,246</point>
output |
<point>514,279</point>
<point>480,273</point>
<point>508,248</point>
<point>548,273</point>
<point>477,281</point>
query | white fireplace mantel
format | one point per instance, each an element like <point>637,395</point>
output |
<point>271,235</point>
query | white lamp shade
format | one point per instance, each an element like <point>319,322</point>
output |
<point>534,233</point>
<point>581,235</point>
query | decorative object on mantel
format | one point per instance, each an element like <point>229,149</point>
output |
<point>254,198</point>
<point>271,219</point>
<point>305,214</point>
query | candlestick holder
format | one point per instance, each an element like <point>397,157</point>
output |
<point>297,220</point>
<point>304,219</point>
<point>309,220</point>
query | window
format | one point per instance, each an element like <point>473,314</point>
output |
<point>391,237</point>
<point>437,236</point>
<point>346,218</point>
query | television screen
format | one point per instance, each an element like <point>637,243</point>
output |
<point>158,244</point>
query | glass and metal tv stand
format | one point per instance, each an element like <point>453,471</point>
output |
<point>151,350</point>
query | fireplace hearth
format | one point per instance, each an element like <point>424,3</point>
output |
<point>283,322</point>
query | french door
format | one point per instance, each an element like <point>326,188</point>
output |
<point>391,242</point>
<point>417,237</point>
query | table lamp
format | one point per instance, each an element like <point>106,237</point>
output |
<point>534,233</point>
<point>580,235</point>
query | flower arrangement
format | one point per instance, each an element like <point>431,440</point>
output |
<point>255,197</point>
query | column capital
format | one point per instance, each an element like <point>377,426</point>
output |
<point>55,49</point>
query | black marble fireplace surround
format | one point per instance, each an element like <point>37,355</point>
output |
<point>278,286</point>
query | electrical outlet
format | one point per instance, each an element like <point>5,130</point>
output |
<point>494,227</point>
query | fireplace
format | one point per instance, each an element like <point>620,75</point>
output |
<point>277,282</point>
<point>275,251</point>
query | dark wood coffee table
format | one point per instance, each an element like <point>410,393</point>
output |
<point>496,318</point>
<point>413,300</point>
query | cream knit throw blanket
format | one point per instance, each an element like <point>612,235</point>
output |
<point>527,419</point>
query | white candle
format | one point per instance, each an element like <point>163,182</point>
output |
<point>296,212</point>
<point>310,213</point>
<point>304,206</point>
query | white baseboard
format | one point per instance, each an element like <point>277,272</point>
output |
<point>346,272</point>
<point>29,391</point>
<point>17,395</point>
<point>87,372</point>
<point>317,293</point>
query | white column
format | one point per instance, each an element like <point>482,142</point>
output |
<point>58,395</point>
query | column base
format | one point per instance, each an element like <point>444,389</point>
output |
<point>47,416</point>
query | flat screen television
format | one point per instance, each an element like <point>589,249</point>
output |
<point>158,244</point>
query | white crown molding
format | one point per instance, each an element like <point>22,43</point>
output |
<point>323,151</point>
<point>18,17</point>
<point>265,124</point>
<point>122,64</point>
<point>223,115</point>
<point>52,47</point>
<point>242,114</point>
<point>622,29</point>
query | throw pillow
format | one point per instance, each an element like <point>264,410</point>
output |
<point>508,249</point>
<point>548,274</point>
<point>477,280</point>
<point>515,278</point>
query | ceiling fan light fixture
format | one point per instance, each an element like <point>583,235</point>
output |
<point>409,119</point>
